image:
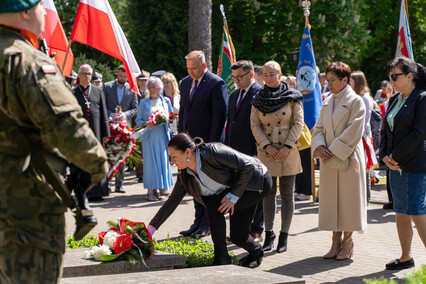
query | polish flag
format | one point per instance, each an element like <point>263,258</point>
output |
<point>56,39</point>
<point>95,25</point>
<point>404,47</point>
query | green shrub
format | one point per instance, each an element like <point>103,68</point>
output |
<point>87,242</point>
<point>197,252</point>
<point>381,280</point>
<point>417,276</point>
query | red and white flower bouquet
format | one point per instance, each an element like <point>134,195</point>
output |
<point>157,117</point>
<point>119,146</point>
<point>123,240</point>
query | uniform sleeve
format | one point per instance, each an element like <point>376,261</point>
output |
<point>54,110</point>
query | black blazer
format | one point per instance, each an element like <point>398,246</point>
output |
<point>222,164</point>
<point>98,112</point>
<point>205,115</point>
<point>238,134</point>
<point>407,142</point>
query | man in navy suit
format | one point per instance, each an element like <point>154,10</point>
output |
<point>118,93</point>
<point>238,133</point>
<point>202,113</point>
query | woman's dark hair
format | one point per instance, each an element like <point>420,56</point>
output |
<point>409,66</point>
<point>183,141</point>
<point>341,70</point>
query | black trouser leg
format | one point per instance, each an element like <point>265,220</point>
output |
<point>200,215</point>
<point>257,223</point>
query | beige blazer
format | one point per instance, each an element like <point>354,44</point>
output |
<point>342,205</point>
<point>274,128</point>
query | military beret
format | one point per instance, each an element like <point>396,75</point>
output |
<point>158,73</point>
<point>15,6</point>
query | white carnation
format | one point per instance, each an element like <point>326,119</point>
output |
<point>100,251</point>
<point>110,238</point>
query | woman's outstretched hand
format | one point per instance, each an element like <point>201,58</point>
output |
<point>226,206</point>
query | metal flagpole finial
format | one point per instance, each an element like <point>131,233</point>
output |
<point>222,10</point>
<point>306,6</point>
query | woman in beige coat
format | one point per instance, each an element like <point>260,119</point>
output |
<point>276,138</point>
<point>336,139</point>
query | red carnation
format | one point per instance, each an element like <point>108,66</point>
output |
<point>114,153</point>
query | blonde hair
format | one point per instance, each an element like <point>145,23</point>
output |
<point>292,79</point>
<point>273,65</point>
<point>196,55</point>
<point>169,77</point>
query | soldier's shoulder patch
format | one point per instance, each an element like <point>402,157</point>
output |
<point>48,69</point>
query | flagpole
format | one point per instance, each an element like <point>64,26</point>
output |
<point>306,6</point>
<point>225,24</point>
<point>66,55</point>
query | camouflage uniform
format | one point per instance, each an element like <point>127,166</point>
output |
<point>33,93</point>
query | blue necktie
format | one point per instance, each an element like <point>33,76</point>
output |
<point>191,94</point>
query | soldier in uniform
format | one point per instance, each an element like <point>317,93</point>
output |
<point>34,95</point>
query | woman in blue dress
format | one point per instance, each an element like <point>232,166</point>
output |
<point>156,166</point>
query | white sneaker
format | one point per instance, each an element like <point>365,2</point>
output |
<point>301,197</point>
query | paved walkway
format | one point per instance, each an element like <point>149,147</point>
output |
<point>373,248</point>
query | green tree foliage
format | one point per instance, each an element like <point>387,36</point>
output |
<point>358,32</point>
<point>382,19</point>
<point>158,34</point>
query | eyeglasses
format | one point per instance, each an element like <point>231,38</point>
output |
<point>394,76</point>
<point>241,76</point>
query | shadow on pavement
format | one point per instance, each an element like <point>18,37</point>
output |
<point>309,266</point>
<point>359,279</point>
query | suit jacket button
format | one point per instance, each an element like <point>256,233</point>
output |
<point>283,113</point>
<point>279,122</point>
<point>279,132</point>
<point>269,124</point>
<point>269,134</point>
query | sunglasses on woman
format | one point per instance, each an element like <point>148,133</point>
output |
<point>394,76</point>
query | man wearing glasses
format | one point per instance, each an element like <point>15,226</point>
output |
<point>238,131</point>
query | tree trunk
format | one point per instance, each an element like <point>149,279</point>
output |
<point>199,28</point>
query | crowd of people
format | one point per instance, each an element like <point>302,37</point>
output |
<point>233,151</point>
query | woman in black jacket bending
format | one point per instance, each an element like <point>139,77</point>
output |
<point>223,180</point>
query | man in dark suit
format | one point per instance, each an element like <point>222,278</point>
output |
<point>238,133</point>
<point>92,101</point>
<point>118,93</point>
<point>203,108</point>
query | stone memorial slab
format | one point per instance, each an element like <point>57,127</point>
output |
<point>76,265</point>
<point>229,274</point>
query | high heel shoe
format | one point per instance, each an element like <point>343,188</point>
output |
<point>268,244</point>
<point>347,247</point>
<point>335,246</point>
<point>252,260</point>
<point>282,242</point>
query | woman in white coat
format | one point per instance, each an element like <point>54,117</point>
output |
<point>336,139</point>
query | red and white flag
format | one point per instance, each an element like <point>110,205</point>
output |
<point>403,47</point>
<point>95,25</point>
<point>56,39</point>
